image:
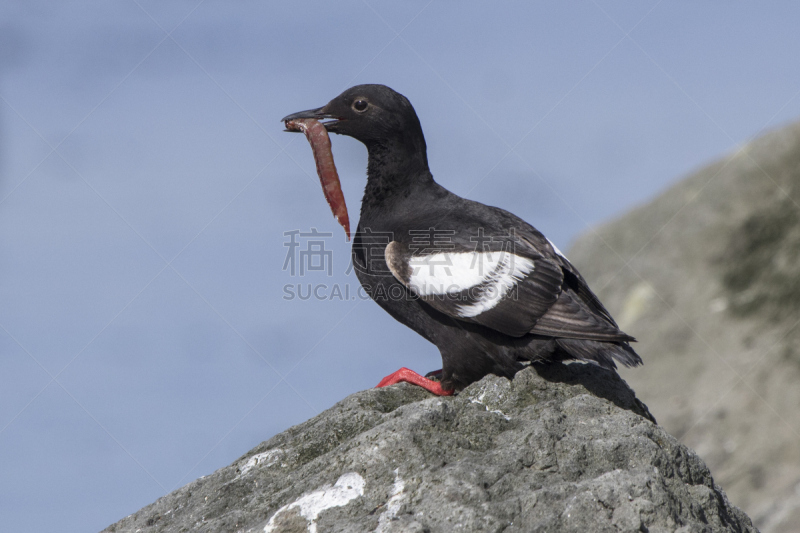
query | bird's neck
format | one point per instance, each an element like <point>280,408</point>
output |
<point>395,170</point>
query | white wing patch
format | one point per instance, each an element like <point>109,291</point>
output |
<point>443,273</point>
<point>451,273</point>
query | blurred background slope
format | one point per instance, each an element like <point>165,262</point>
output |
<point>146,188</point>
<point>707,277</point>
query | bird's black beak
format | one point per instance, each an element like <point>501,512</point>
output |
<point>319,113</point>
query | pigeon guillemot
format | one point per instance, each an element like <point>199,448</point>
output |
<point>487,288</point>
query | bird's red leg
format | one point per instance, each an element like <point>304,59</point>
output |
<point>409,376</point>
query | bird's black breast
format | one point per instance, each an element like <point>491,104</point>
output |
<point>369,263</point>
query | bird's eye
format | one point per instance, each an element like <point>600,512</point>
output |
<point>360,105</point>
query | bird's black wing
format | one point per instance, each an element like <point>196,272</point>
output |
<point>578,312</point>
<point>505,290</point>
<point>517,283</point>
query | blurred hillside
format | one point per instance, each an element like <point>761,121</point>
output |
<point>707,277</point>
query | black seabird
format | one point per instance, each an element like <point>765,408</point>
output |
<point>487,288</point>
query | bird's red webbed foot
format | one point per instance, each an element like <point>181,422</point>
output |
<point>409,376</point>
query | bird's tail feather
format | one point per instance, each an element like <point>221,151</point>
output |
<point>605,354</point>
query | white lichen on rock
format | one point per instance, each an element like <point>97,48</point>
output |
<point>394,503</point>
<point>347,488</point>
<point>264,459</point>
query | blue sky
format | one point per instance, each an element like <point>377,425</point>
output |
<point>146,186</point>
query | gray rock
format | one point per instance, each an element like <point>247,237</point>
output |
<point>559,448</point>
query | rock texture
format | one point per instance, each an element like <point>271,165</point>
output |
<point>707,277</point>
<point>559,448</point>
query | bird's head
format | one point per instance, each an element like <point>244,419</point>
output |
<point>372,114</point>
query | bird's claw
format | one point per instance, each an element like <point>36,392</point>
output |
<point>409,376</point>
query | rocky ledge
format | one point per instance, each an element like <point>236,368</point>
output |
<point>559,448</point>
